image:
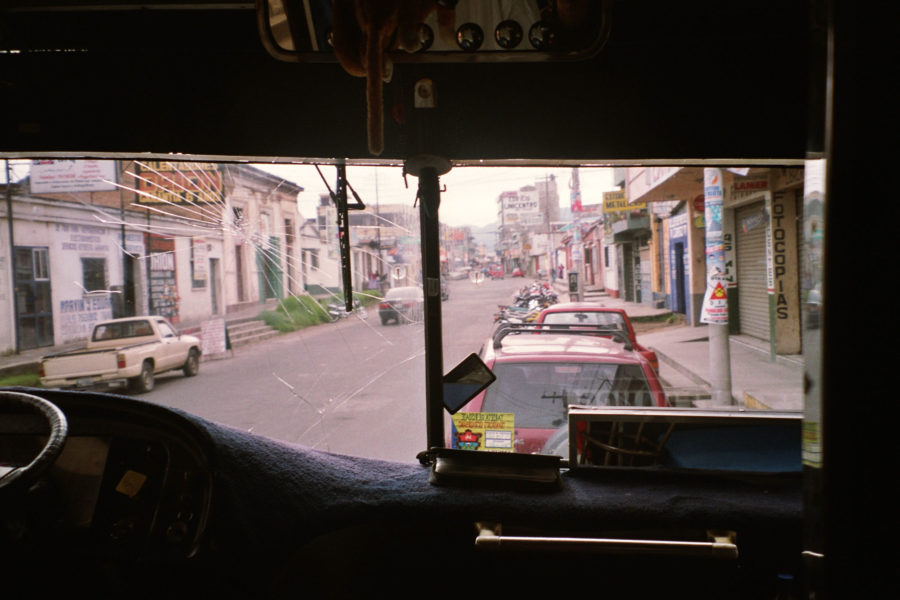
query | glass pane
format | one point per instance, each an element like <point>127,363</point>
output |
<point>284,358</point>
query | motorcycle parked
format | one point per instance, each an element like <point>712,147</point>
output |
<point>527,305</point>
<point>338,310</point>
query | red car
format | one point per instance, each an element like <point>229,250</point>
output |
<point>540,376</point>
<point>588,313</point>
<point>496,272</point>
<point>517,272</point>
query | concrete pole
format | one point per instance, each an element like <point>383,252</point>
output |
<point>715,305</point>
<point>577,250</point>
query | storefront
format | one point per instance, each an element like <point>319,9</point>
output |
<point>68,272</point>
<point>679,264</point>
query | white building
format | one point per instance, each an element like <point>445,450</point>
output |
<point>184,242</point>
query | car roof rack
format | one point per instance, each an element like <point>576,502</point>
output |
<point>560,329</point>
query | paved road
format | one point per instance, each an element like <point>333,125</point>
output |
<point>354,387</point>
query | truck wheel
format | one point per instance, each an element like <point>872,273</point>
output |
<point>192,364</point>
<point>144,382</point>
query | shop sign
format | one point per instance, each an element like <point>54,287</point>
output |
<point>178,183</point>
<point>82,175</point>
<point>615,202</point>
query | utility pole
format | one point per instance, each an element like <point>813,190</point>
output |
<point>715,304</point>
<point>550,250</point>
<point>577,259</point>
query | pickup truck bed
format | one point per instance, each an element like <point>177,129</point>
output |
<point>84,367</point>
<point>131,350</point>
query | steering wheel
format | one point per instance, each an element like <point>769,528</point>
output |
<point>59,429</point>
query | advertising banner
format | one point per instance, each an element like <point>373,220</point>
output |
<point>83,175</point>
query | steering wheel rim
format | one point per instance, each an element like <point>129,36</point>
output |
<point>59,430</point>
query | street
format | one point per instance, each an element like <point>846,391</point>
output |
<point>352,387</point>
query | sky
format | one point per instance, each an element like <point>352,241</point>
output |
<point>470,198</point>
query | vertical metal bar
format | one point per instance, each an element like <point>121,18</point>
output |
<point>12,255</point>
<point>344,235</point>
<point>429,201</point>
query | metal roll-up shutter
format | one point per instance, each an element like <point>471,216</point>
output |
<point>753,294</point>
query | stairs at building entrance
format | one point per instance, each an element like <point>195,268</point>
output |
<point>247,331</point>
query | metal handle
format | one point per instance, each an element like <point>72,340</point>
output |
<point>722,547</point>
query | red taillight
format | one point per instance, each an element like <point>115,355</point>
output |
<point>120,361</point>
<point>384,305</point>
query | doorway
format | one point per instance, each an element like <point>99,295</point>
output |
<point>678,279</point>
<point>34,306</point>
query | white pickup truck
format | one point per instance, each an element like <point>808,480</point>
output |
<point>131,350</point>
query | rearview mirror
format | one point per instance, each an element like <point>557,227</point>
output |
<point>465,381</point>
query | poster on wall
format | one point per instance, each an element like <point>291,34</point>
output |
<point>198,262</point>
<point>47,176</point>
<point>163,284</point>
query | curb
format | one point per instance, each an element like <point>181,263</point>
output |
<point>681,368</point>
<point>27,367</point>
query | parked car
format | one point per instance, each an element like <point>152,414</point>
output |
<point>402,305</point>
<point>495,272</point>
<point>590,313</point>
<point>517,272</point>
<point>540,376</point>
<point>131,350</point>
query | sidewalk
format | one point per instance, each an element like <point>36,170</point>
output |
<point>683,350</point>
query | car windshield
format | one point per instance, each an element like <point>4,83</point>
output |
<point>604,319</point>
<point>540,393</point>
<point>254,262</point>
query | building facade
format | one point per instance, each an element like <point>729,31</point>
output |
<point>762,209</point>
<point>93,240</point>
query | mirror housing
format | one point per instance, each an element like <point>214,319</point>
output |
<point>465,381</point>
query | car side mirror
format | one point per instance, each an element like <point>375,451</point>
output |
<point>465,381</point>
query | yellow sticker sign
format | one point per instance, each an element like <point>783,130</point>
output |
<point>616,202</point>
<point>131,483</point>
<point>483,431</point>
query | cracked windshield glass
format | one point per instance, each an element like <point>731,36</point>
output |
<point>223,289</point>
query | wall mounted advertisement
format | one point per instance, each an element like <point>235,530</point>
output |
<point>48,176</point>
